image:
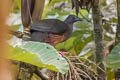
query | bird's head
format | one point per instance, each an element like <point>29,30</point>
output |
<point>72,18</point>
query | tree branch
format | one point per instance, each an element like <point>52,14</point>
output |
<point>98,37</point>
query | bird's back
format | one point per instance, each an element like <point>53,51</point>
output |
<point>50,25</point>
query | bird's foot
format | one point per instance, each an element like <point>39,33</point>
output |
<point>62,53</point>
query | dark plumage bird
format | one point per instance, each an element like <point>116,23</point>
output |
<point>53,31</point>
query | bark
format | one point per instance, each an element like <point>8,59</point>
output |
<point>117,71</point>
<point>98,37</point>
<point>25,71</point>
<point>118,24</point>
<point>38,10</point>
<point>31,11</point>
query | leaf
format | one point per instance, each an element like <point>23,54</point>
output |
<point>85,35</point>
<point>110,74</point>
<point>81,41</point>
<point>15,27</point>
<point>41,55</point>
<point>113,59</point>
<point>17,6</point>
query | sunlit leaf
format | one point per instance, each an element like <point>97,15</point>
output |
<point>41,55</point>
<point>17,6</point>
<point>110,74</point>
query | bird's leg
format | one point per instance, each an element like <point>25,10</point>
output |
<point>62,53</point>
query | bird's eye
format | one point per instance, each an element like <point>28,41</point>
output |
<point>76,19</point>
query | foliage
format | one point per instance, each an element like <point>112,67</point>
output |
<point>16,6</point>
<point>39,54</point>
<point>80,69</point>
<point>113,59</point>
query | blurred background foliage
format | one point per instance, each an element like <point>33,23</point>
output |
<point>81,42</point>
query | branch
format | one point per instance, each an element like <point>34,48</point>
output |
<point>98,37</point>
<point>41,75</point>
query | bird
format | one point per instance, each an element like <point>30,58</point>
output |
<point>53,31</point>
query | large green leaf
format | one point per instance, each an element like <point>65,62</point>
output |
<point>113,59</point>
<point>41,55</point>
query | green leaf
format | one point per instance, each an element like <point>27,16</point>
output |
<point>15,27</point>
<point>113,59</point>
<point>112,20</point>
<point>41,55</point>
<point>110,74</point>
<point>80,42</point>
<point>17,6</point>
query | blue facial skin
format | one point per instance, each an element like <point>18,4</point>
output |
<point>77,18</point>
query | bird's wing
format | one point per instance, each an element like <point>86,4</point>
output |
<point>50,25</point>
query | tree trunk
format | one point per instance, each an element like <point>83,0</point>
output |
<point>98,37</point>
<point>31,11</point>
<point>117,71</point>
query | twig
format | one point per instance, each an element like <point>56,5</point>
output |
<point>71,65</point>
<point>58,75</point>
<point>83,72</point>
<point>41,75</point>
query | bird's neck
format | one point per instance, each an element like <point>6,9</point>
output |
<point>70,24</point>
<point>67,21</point>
